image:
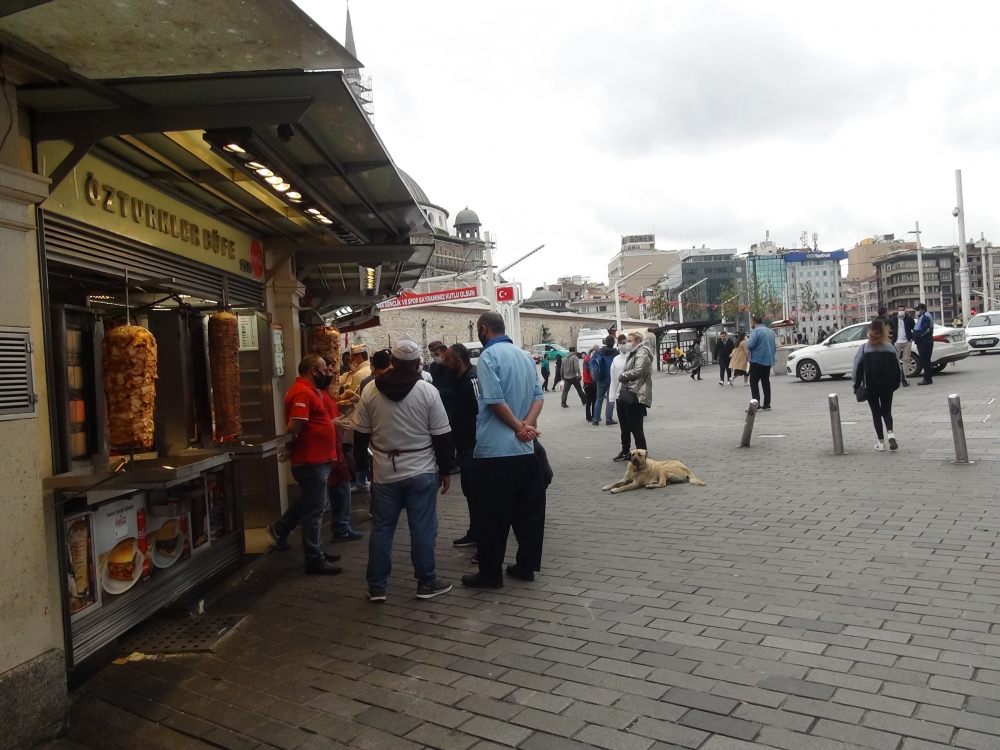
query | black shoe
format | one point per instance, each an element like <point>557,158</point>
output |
<point>621,457</point>
<point>926,382</point>
<point>376,596</point>
<point>610,422</point>
<point>331,557</point>
<point>765,408</point>
<point>565,406</point>
<point>348,536</point>
<point>324,569</point>
<point>478,581</point>
<point>906,384</point>
<point>432,588</point>
<point>596,423</point>
<point>280,542</point>
<point>465,541</point>
<point>516,571</point>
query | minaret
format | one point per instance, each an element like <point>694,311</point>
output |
<point>361,86</point>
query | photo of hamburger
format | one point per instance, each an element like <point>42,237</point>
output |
<point>165,539</point>
<point>121,560</point>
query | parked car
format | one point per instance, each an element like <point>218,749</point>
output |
<point>983,332</point>
<point>475,349</point>
<point>590,336</point>
<point>835,356</point>
<point>549,351</point>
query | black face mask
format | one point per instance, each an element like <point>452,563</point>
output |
<point>482,336</point>
<point>322,381</point>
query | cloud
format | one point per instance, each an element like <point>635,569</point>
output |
<point>725,81</point>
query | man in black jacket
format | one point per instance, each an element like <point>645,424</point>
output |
<point>463,407</point>
<point>723,351</point>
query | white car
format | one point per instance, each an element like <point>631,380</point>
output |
<point>983,332</point>
<point>835,356</point>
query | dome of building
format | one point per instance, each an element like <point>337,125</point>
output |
<point>465,216</point>
<point>543,294</point>
<point>415,190</point>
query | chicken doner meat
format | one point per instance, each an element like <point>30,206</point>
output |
<point>224,358</point>
<point>128,358</point>
<point>325,341</point>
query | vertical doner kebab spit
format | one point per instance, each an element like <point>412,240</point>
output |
<point>224,359</point>
<point>128,358</point>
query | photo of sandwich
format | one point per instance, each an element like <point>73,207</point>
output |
<point>122,567</point>
<point>166,538</point>
<point>80,565</point>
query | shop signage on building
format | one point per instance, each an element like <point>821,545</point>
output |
<point>430,298</point>
<point>108,198</point>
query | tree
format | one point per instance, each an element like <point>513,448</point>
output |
<point>764,301</point>
<point>808,299</point>
<point>659,305</point>
<point>729,301</point>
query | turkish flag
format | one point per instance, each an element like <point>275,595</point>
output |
<point>505,294</point>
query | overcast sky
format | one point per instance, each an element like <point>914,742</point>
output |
<point>708,123</point>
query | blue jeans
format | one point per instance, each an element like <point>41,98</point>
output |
<point>308,510</point>
<point>602,393</point>
<point>340,506</point>
<point>418,495</point>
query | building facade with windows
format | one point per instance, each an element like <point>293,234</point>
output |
<point>815,277</point>
<point>636,251</point>
<point>717,268</point>
<point>898,281</point>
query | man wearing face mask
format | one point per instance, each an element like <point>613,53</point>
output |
<point>313,452</point>
<point>901,328</point>
<point>462,408</point>
<point>617,367</point>
<point>360,368</point>
<point>441,376</point>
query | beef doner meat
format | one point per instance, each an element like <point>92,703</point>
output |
<point>128,357</point>
<point>224,357</point>
<point>325,341</point>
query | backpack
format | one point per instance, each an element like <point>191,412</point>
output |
<point>595,365</point>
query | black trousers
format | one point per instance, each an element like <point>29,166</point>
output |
<point>760,379</point>
<point>509,493</point>
<point>467,469</point>
<point>623,426</point>
<point>545,380</point>
<point>575,383</point>
<point>591,390</point>
<point>925,350</point>
<point>725,371</point>
<point>880,402</point>
<point>636,415</point>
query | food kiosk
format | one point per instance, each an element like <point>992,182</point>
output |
<point>161,374</point>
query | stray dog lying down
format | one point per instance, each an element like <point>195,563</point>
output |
<point>645,472</point>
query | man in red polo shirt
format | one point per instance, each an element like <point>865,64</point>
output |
<point>313,453</point>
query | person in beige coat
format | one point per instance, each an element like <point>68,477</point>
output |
<point>740,359</point>
<point>636,391</point>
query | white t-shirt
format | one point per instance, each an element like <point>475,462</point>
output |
<point>401,425</point>
<point>901,336</point>
<point>617,368</point>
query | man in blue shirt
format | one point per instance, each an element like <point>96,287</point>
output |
<point>509,489</point>
<point>923,337</point>
<point>762,347</point>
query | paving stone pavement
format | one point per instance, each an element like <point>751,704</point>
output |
<point>799,601</point>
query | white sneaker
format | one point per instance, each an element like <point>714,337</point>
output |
<point>721,383</point>
<point>880,446</point>
<point>893,445</point>
<point>730,381</point>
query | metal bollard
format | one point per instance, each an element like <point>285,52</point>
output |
<point>958,430</point>
<point>748,427</point>
<point>838,433</point>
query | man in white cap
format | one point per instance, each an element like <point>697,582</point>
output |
<point>360,368</point>
<point>400,416</point>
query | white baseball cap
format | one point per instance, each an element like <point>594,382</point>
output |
<point>406,348</point>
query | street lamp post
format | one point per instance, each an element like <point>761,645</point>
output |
<point>963,257</point>
<point>920,266</point>
<point>983,245</point>
<point>680,301</point>
<point>618,306</point>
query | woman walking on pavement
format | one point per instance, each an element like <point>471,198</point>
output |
<point>876,368</point>
<point>545,373</point>
<point>558,376</point>
<point>636,392</point>
<point>740,358</point>
<point>589,386</point>
<point>695,354</point>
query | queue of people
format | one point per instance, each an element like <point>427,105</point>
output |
<point>410,426</point>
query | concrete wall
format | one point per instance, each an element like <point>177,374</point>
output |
<point>457,325</point>
<point>32,664</point>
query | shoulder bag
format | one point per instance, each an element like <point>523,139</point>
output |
<point>860,389</point>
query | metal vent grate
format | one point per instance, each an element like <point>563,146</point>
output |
<point>182,635</point>
<point>17,387</point>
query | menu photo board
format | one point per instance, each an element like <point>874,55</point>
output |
<point>81,564</point>
<point>121,545</point>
